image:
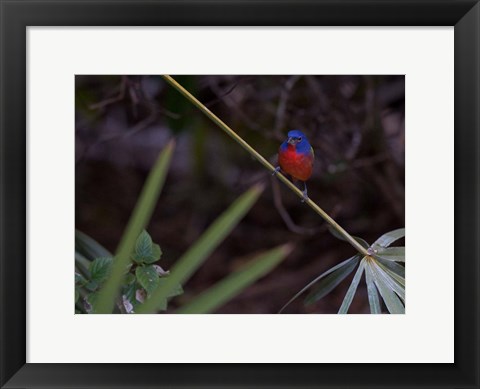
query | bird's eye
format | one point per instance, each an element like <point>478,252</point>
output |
<point>299,138</point>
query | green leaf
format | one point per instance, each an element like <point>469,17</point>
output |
<point>148,280</point>
<point>129,291</point>
<point>156,253</point>
<point>352,289</point>
<point>145,250</point>
<point>80,280</point>
<point>390,281</point>
<point>392,254</point>
<point>320,277</point>
<point>132,292</point>
<point>88,247</point>
<point>147,277</point>
<point>393,303</point>
<point>373,299</point>
<point>232,285</point>
<point>100,269</point>
<point>394,270</point>
<point>393,266</point>
<point>203,247</point>
<point>139,219</point>
<point>399,280</point>
<point>143,247</point>
<point>387,239</point>
<point>330,282</point>
<point>77,295</point>
<point>91,286</point>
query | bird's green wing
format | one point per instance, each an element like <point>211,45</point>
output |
<point>312,152</point>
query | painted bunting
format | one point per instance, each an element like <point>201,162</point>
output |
<point>296,157</point>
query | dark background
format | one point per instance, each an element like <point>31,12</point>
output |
<point>355,124</point>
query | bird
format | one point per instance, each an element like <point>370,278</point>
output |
<point>296,157</point>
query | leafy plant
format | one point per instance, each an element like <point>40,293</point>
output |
<point>145,276</point>
<point>382,275</point>
<point>132,282</point>
<point>141,279</point>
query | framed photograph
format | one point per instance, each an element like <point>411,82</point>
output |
<point>198,194</point>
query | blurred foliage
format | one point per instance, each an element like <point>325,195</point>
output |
<point>355,124</point>
<point>144,280</point>
<point>138,221</point>
<point>136,283</point>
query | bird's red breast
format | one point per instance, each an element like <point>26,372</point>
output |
<point>298,165</point>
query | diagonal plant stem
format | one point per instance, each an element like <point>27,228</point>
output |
<point>264,162</point>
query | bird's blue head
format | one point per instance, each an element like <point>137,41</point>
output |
<point>298,139</point>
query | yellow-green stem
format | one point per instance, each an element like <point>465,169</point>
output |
<point>264,162</point>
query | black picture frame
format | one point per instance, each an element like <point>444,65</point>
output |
<point>16,15</point>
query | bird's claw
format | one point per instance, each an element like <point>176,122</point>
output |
<point>305,196</point>
<point>277,169</point>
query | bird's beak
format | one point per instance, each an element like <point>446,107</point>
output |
<point>291,140</point>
